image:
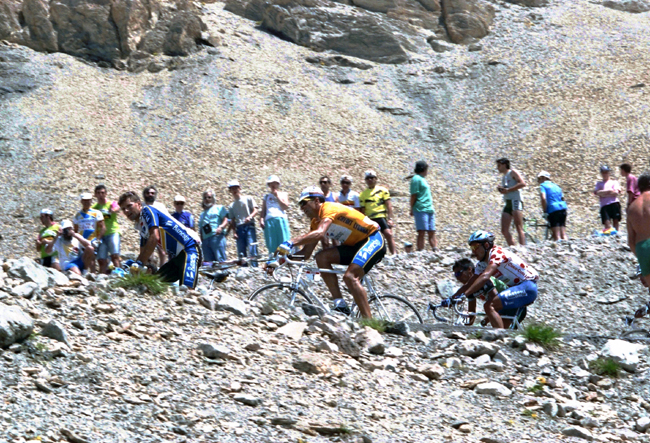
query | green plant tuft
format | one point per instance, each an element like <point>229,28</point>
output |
<point>542,334</point>
<point>538,388</point>
<point>606,366</point>
<point>151,282</point>
<point>374,323</point>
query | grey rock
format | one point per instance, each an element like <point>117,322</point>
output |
<point>467,20</point>
<point>277,319</point>
<point>293,330</point>
<point>633,6</point>
<point>15,325</point>
<point>371,340</point>
<point>453,362</point>
<point>474,348</point>
<point>215,351</point>
<point>326,346</point>
<point>550,408</point>
<point>623,352</point>
<point>493,388</point>
<point>432,371</point>
<point>502,357</point>
<point>577,431</point>
<point>310,363</point>
<point>25,290</point>
<point>439,46</point>
<point>232,304</point>
<point>494,334</point>
<point>399,328</point>
<point>30,271</point>
<point>482,359</point>
<point>529,3</point>
<point>56,278</point>
<point>534,349</point>
<point>642,424</point>
<point>248,400</point>
<point>518,342</point>
<point>56,331</point>
<point>208,302</point>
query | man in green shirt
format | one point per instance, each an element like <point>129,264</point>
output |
<point>422,207</point>
<point>46,236</point>
<point>111,240</point>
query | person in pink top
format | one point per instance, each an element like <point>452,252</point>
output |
<point>631,183</point>
<point>607,191</point>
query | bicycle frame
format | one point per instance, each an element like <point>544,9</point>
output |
<point>515,324</point>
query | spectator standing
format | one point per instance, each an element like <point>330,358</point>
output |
<point>46,236</point>
<point>72,249</point>
<point>346,196</point>
<point>422,207</point>
<point>631,183</point>
<point>110,242</point>
<point>607,191</point>
<point>553,205</point>
<point>90,224</point>
<point>511,184</point>
<point>242,214</point>
<point>325,186</point>
<point>184,217</point>
<point>375,203</point>
<point>273,217</point>
<point>213,223</point>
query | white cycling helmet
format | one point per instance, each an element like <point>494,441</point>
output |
<point>481,236</point>
<point>311,192</point>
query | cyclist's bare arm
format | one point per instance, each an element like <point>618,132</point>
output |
<point>482,279</point>
<point>314,236</point>
<point>150,246</point>
<point>463,289</point>
<point>305,253</point>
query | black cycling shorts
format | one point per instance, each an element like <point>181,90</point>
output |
<point>557,219</point>
<point>382,222</point>
<point>610,212</point>
<point>184,268</point>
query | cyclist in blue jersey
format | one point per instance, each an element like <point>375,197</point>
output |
<point>553,205</point>
<point>158,228</point>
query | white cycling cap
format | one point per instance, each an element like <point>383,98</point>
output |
<point>86,196</point>
<point>311,192</point>
<point>370,173</point>
<point>346,178</point>
<point>233,184</point>
<point>46,211</point>
<point>179,198</point>
<point>273,179</point>
<point>65,224</point>
<point>544,174</point>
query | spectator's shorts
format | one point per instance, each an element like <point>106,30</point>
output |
<point>383,224</point>
<point>425,221</point>
<point>184,268</point>
<point>642,251</point>
<point>517,296</point>
<point>513,205</point>
<point>78,263</point>
<point>557,219</point>
<point>610,212</point>
<point>367,253</point>
<point>110,245</point>
<point>49,261</point>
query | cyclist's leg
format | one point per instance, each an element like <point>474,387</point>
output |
<point>512,298</point>
<point>193,260</point>
<point>370,252</point>
<point>325,259</point>
<point>506,219</point>
<point>492,307</point>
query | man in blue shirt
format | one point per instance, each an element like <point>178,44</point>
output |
<point>156,228</point>
<point>553,205</point>
<point>184,217</point>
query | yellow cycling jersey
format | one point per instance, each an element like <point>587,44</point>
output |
<point>373,201</point>
<point>348,226</point>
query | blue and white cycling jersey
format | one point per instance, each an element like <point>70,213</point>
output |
<point>173,236</point>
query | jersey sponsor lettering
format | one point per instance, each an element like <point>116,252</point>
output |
<point>511,269</point>
<point>173,237</point>
<point>348,226</point>
<point>87,221</point>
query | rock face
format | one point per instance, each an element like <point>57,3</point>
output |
<point>107,30</point>
<point>530,3</point>
<point>14,325</point>
<point>30,271</point>
<point>634,6</point>
<point>467,21</point>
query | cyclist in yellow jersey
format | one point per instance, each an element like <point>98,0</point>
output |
<point>361,245</point>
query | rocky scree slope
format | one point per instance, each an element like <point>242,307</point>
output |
<point>115,365</point>
<point>534,89</point>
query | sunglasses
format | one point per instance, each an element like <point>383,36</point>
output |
<point>304,202</point>
<point>179,203</point>
<point>457,274</point>
<point>346,183</point>
<point>474,246</point>
<point>370,178</point>
<point>324,182</point>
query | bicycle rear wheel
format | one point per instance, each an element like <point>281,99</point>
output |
<point>394,309</point>
<point>636,333</point>
<point>280,296</point>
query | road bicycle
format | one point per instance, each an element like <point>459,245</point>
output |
<point>296,290</point>
<point>459,314</point>
<point>633,331</point>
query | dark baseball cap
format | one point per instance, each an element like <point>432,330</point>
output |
<point>604,168</point>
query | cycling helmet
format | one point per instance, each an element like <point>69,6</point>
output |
<point>311,192</point>
<point>481,236</point>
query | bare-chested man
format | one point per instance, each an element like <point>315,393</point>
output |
<point>638,231</point>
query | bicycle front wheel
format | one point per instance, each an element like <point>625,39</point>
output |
<point>280,296</point>
<point>394,309</point>
<point>636,333</point>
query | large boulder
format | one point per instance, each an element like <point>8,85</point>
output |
<point>623,352</point>
<point>634,6</point>
<point>15,325</point>
<point>467,20</point>
<point>28,270</point>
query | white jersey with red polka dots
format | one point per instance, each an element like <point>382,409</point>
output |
<point>511,269</point>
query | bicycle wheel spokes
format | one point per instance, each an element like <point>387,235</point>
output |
<point>394,309</point>
<point>280,296</point>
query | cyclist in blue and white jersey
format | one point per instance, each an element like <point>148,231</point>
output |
<point>158,228</point>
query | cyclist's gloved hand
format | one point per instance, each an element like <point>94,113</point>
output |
<point>641,312</point>
<point>284,248</point>
<point>445,303</point>
<point>128,263</point>
<point>133,263</point>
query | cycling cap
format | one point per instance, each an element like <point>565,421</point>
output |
<point>604,168</point>
<point>311,192</point>
<point>481,236</point>
<point>370,174</point>
<point>179,198</point>
<point>86,196</point>
<point>233,184</point>
<point>544,174</point>
<point>273,179</point>
<point>46,212</point>
<point>346,178</point>
<point>65,224</point>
